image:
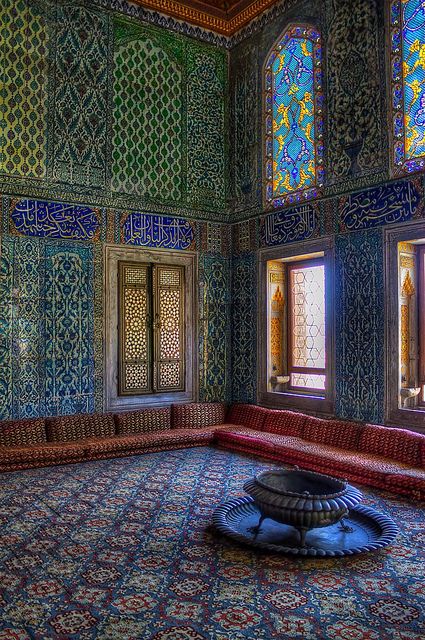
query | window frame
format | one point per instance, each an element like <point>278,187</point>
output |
<point>296,399</point>
<point>421,321</point>
<point>299,264</point>
<point>113,254</point>
<point>412,418</point>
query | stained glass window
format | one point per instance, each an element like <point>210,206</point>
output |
<point>293,117</point>
<point>151,331</point>
<point>407,21</point>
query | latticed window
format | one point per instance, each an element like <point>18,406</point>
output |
<point>293,108</point>
<point>411,271</point>
<point>407,22</point>
<point>151,328</point>
<point>297,329</point>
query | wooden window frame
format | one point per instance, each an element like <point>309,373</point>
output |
<point>153,325</point>
<point>421,321</point>
<point>412,418</point>
<point>296,398</point>
<point>308,262</point>
<point>187,259</point>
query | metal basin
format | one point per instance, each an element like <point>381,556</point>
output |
<point>303,499</point>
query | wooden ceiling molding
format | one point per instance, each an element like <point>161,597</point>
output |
<point>217,15</point>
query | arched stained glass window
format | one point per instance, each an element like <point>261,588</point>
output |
<point>293,117</point>
<point>407,21</point>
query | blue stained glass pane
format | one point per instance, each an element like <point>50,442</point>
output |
<point>413,21</point>
<point>293,117</point>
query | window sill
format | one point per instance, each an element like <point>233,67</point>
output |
<point>296,402</point>
<point>407,418</point>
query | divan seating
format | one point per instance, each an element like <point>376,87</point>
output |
<point>64,439</point>
<point>385,457</point>
<point>393,459</point>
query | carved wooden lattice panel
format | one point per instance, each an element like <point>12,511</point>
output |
<point>151,328</point>
<point>134,328</point>
<point>169,328</point>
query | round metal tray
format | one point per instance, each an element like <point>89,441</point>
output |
<point>364,529</point>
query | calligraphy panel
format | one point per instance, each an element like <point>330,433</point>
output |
<point>144,229</point>
<point>298,223</point>
<point>359,313</point>
<point>68,331</point>
<point>80,86</point>
<point>293,117</point>
<point>388,204</point>
<point>55,220</point>
<point>23,88</point>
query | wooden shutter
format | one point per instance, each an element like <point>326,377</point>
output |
<point>135,368</point>
<point>169,343</point>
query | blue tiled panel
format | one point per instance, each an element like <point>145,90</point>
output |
<point>6,284</point>
<point>69,329</point>
<point>27,345</point>
<point>359,310</point>
<point>215,330</point>
<point>291,225</point>
<point>144,229</point>
<point>54,220</point>
<point>46,328</point>
<point>388,204</point>
<point>244,329</point>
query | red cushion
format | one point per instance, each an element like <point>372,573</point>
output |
<point>285,422</point>
<point>140,441</point>
<point>411,482</point>
<point>397,444</point>
<point>50,451</point>
<point>22,433</point>
<point>247,441</point>
<point>338,433</point>
<point>80,426</point>
<point>250,415</point>
<point>143,421</point>
<point>197,415</point>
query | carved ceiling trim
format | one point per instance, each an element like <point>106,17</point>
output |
<point>209,17</point>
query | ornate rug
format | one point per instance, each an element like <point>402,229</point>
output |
<point>124,549</point>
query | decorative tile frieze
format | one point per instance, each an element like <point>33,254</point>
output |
<point>142,229</point>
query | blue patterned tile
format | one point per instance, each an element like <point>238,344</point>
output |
<point>144,229</point>
<point>359,300</point>
<point>215,329</point>
<point>290,225</point>
<point>55,220</point>
<point>244,328</point>
<point>388,204</point>
<point>68,292</point>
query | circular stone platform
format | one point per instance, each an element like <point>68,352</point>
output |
<point>364,529</point>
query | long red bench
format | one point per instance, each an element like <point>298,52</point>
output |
<point>385,457</point>
<point>393,459</point>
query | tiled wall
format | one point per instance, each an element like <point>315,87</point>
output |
<point>94,151</point>
<point>113,131</point>
<point>359,198</point>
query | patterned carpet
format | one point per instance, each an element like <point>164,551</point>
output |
<point>123,549</point>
